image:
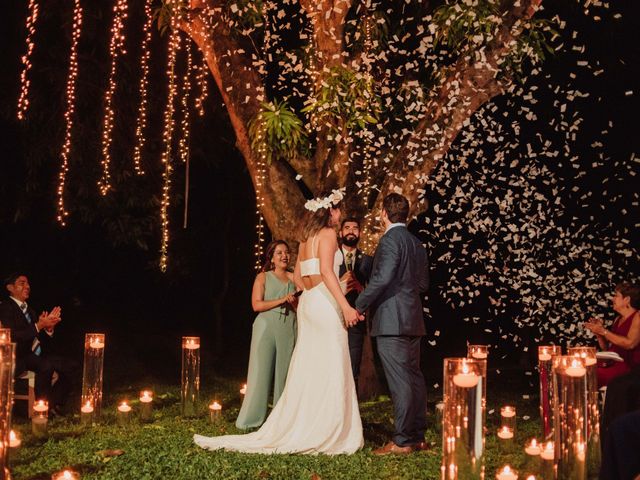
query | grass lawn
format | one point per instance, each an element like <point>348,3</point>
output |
<point>163,449</point>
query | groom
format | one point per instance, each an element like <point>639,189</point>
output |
<point>399,275</point>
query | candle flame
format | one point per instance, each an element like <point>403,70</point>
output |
<point>534,443</point>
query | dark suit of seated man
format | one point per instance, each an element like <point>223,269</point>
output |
<point>32,335</point>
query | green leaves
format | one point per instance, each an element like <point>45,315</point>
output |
<point>167,10</point>
<point>345,98</point>
<point>278,132</point>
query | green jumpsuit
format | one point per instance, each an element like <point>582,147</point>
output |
<point>272,341</point>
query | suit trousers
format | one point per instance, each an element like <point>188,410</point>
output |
<point>620,460</point>
<point>400,356</point>
<point>356,336</point>
<point>44,366</point>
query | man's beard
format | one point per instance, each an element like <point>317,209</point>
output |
<point>350,240</point>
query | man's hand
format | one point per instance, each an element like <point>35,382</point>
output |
<point>48,320</point>
<point>347,277</point>
<point>354,284</point>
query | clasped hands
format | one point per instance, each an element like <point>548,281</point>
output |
<point>595,326</point>
<point>48,320</point>
<point>352,316</point>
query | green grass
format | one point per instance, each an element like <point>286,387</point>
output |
<point>164,448</point>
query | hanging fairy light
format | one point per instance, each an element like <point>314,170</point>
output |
<point>68,115</point>
<point>141,121</point>
<point>201,78</point>
<point>183,145</point>
<point>167,136</point>
<point>23,100</point>
<point>116,47</point>
<point>261,175</point>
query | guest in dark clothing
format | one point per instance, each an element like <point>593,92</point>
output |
<point>32,334</point>
<point>620,459</point>
<point>623,337</point>
<point>355,271</point>
<point>622,397</point>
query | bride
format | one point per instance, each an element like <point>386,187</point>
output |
<point>318,409</point>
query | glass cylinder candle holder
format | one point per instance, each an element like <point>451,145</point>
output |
<point>86,413</point>
<point>547,456</point>
<point>146,405</point>
<point>215,412</point>
<point>5,335</point>
<point>506,438</point>
<point>545,367</point>
<point>479,352</point>
<point>123,414</point>
<point>593,406</point>
<point>570,416</point>
<point>508,417</point>
<point>66,475</point>
<point>7,364</point>
<point>92,371</point>
<point>533,462</point>
<point>190,375</point>
<point>506,473</point>
<point>463,419</point>
<point>40,418</point>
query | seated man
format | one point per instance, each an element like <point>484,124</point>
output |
<point>32,335</point>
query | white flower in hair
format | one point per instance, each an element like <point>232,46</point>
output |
<point>317,203</point>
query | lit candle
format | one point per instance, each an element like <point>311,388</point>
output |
<point>243,390</point>
<point>86,413</point>
<point>123,414</point>
<point>191,343</point>
<point>215,411</point>
<point>146,405</point>
<point>465,379</point>
<point>544,355</point>
<point>14,440</point>
<point>505,433</point>
<point>39,418</point>
<point>547,451</point>
<point>576,369</point>
<point>532,448</point>
<point>508,412</point>
<point>5,335</point>
<point>96,342</point>
<point>478,351</point>
<point>65,475</point>
<point>507,473</point>
<point>581,451</point>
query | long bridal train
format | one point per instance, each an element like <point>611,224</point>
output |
<point>318,410</point>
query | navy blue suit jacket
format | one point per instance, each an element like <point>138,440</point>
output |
<point>399,276</point>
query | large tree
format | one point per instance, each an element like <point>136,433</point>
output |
<point>368,96</point>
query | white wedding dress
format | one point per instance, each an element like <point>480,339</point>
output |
<point>318,409</point>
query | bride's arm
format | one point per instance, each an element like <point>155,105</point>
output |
<point>297,276</point>
<point>327,246</point>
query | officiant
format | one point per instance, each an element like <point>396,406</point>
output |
<point>355,271</point>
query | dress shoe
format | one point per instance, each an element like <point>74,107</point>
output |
<point>423,447</point>
<point>392,448</point>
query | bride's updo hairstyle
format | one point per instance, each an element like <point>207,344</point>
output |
<point>319,212</point>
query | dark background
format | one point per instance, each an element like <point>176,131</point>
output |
<point>102,268</point>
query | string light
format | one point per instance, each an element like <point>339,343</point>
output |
<point>141,121</point>
<point>68,115</point>
<point>261,175</point>
<point>201,78</point>
<point>167,135</point>
<point>116,47</point>
<point>183,144</point>
<point>23,100</point>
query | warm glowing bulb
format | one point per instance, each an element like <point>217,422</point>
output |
<point>23,101</point>
<point>68,115</point>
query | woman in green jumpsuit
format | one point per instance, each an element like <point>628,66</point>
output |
<point>273,336</point>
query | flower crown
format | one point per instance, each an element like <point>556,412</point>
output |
<point>317,203</point>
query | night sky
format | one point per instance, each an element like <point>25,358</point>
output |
<point>102,268</point>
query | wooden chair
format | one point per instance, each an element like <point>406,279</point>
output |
<point>30,397</point>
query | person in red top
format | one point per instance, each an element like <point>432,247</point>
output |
<point>623,337</point>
